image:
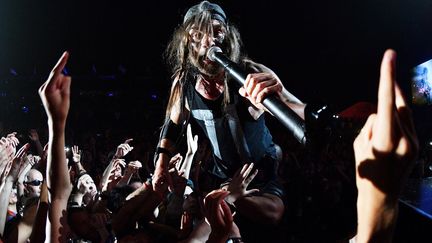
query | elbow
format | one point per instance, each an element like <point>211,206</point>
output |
<point>274,215</point>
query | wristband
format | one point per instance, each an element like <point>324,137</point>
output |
<point>163,151</point>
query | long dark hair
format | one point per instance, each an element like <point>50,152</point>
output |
<point>179,49</point>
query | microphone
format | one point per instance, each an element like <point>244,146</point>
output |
<point>277,107</point>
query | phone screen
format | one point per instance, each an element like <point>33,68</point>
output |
<point>421,84</point>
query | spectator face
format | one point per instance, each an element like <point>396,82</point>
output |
<point>33,183</point>
<point>87,186</point>
<point>118,171</point>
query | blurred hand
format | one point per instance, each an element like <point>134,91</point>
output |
<point>76,154</point>
<point>133,166</point>
<point>175,161</point>
<point>123,149</point>
<point>17,163</point>
<point>218,214</point>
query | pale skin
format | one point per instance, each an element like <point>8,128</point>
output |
<point>385,151</point>
<point>55,96</point>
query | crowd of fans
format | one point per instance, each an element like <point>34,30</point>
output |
<point>105,194</point>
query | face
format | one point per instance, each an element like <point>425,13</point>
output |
<point>32,184</point>
<point>200,41</point>
<point>118,171</point>
<point>87,186</point>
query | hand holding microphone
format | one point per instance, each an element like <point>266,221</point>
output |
<point>277,107</point>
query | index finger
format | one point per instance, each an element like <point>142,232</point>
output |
<point>386,103</point>
<point>128,140</point>
<point>61,63</point>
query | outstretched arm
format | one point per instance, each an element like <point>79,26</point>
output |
<point>385,151</point>
<point>54,94</point>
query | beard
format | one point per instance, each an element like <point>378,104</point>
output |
<point>205,66</point>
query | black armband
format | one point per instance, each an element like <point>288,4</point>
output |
<point>171,131</point>
<point>160,150</point>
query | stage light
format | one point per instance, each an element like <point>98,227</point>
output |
<point>25,109</point>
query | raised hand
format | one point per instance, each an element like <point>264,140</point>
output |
<point>385,151</point>
<point>7,150</point>
<point>218,215</point>
<point>192,142</point>
<point>76,154</point>
<point>55,92</point>
<point>239,183</point>
<point>123,149</point>
<point>18,162</point>
<point>133,166</point>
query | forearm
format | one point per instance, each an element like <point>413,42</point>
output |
<point>38,232</point>
<point>79,168</point>
<point>4,202</point>
<point>58,175</point>
<point>376,220</point>
<point>125,179</point>
<point>103,184</point>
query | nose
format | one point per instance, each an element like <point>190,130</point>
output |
<point>207,41</point>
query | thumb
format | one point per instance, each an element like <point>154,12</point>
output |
<point>251,191</point>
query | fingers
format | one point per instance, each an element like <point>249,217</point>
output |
<point>217,211</point>
<point>61,63</point>
<point>247,171</point>
<point>250,178</point>
<point>189,132</point>
<point>386,104</point>
<point>22,151</point>
<point>258,85</point>
<point>365,133</point>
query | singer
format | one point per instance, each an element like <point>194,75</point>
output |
<point>231,117</point>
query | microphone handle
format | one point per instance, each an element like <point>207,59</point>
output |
<point>278,108</point>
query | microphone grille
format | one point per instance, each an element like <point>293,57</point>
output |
<point>211,52</point>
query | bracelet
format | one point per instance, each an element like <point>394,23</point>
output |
<point>160,150</point>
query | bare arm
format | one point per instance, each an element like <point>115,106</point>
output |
<point>11,178</point>
<point>54,94</point>
<point>161,174</point>
<point>385,152</point>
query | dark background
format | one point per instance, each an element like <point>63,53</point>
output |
<point>326,50</point>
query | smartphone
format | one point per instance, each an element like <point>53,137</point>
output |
<point>421,84</point>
